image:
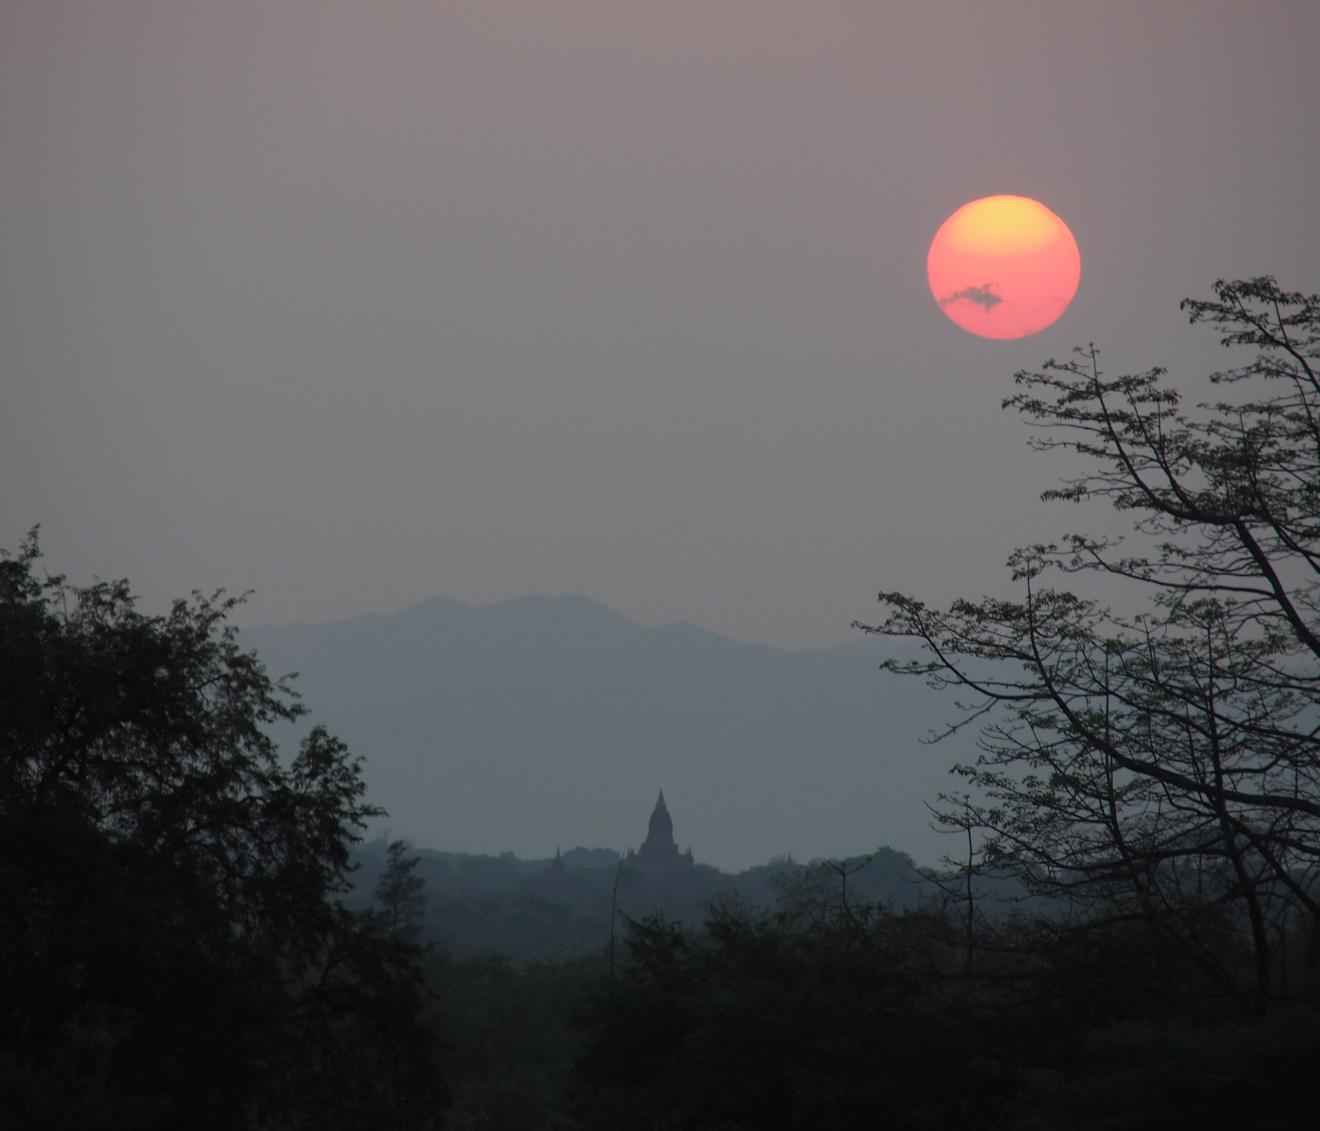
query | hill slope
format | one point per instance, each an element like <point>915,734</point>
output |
<point>540,722</point>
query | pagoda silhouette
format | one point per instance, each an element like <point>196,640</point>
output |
<point>660,850</point>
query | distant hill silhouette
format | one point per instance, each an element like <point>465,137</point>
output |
<point>560,906</point>
<point>540,722</point>
<point>555,908</point>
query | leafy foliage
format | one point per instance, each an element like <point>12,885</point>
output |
<point>174,950</point>
<point>401,893</point>
<point>764,1021</point>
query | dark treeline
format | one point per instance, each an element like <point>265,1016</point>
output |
<point>562,907</point>
<point>1127,933</point>
<point>822,1012</point>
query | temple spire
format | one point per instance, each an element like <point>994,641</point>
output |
<point>660,846</point>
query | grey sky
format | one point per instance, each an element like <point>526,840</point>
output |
<point>354,304</point>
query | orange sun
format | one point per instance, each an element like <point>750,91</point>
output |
<point>1003,267</point>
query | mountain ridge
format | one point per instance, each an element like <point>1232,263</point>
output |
<point>543,720</point>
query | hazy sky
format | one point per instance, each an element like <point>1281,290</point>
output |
<point>357,303</point>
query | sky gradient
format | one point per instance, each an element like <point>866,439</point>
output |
<point>353,305</point>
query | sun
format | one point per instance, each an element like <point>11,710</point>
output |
<point>1003,267</point>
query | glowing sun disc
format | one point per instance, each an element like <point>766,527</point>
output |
<point>1003,267</point>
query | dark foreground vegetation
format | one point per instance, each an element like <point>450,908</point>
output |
<point>178,949</point>
<point>173,950</point>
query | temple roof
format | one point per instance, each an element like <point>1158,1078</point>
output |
<point>660,832</point>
